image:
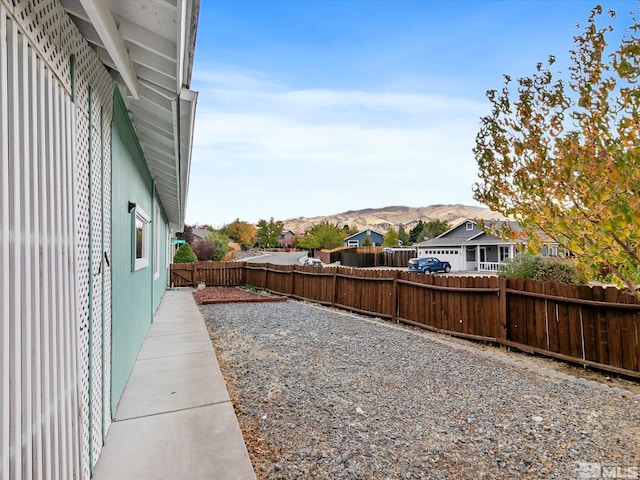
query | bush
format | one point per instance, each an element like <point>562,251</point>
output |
<point>546,269</point>
<point>204,250</point>
<point>213,247</point>
<point>556,270</point>
<point>184,254</point>
<point>524,265</point>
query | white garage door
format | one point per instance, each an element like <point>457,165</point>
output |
<point>453,255</point>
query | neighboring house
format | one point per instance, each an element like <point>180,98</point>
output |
<point>286,239</point>
<point>200,233</point>
<point>357,239</point>
<point>467,247</point>
<point>96,128</point>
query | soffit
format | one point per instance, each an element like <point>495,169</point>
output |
<point>148,46</point>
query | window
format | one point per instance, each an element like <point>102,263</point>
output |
<point>156,240</point>
<point>141,239</point>
<point>469,226</point>
<point>503,252</point>
<point>471,254</point>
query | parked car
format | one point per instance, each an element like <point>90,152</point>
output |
<point>312,262</point>
<point>428,265</point>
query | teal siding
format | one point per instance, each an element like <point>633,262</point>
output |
<point>135,294</point>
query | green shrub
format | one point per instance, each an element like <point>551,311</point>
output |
<point>523,265</point>
<point>545,269</point>
<point>221,244</point>
<point>557,270</point>
<point>184,254</point>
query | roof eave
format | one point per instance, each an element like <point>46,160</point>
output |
<point>187,114</point>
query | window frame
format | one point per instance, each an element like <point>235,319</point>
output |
<point>156,240</point>
<point>142,261</point>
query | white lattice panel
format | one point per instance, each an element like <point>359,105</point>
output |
<point>5,367</point>
<point>82,271</point>
<point>106,184</point>
<point>39,384</point>
<point>95,239</point>
<point>52,268</point>
<point>50,31</point>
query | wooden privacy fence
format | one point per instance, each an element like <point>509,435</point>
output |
<point>362,257</point>
<point>211,273</point>
<point>594,326</point>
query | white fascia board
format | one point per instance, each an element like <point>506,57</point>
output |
<point>188,13</point>
<point>188,102</point>
<point>475,236</point>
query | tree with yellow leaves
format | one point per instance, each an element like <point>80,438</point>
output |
<point>563,157</point>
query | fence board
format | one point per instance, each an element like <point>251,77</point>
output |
<point>477,321</point>
<point>630,333</point>
<point>590,320</point>
<point>573,315</point>
<point>602,334</point>
<point>614,343</point>
<point>497,309</point>
<point>434,301</point>
<point>516,328</point>
<point>557,325</point>
<point>543,316</point>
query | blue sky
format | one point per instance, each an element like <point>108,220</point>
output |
<point>318,107</point>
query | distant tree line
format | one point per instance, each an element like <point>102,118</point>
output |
<point>268,234</point>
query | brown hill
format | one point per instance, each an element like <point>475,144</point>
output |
<point>380,219</point>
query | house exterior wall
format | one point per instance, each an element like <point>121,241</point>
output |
<point>357,240</point>
<point>464,230</point>
<point>132,293</point>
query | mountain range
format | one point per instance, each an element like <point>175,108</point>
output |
<point>380,219</point>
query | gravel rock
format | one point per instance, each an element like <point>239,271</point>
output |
<point>325,394</point>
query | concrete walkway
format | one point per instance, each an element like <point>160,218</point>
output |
<point>175,420</point>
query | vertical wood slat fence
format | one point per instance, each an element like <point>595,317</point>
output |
<point>211,273</point>
<point>591,326</point>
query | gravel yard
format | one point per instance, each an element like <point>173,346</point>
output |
<point>321,393</point>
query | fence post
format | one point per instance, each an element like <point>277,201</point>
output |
<point>502,309</point>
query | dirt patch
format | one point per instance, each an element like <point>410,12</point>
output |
<point>211,295</point>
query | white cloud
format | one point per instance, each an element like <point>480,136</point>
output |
<point>377,147</point>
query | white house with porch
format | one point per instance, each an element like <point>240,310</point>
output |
<point>467,247</point>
